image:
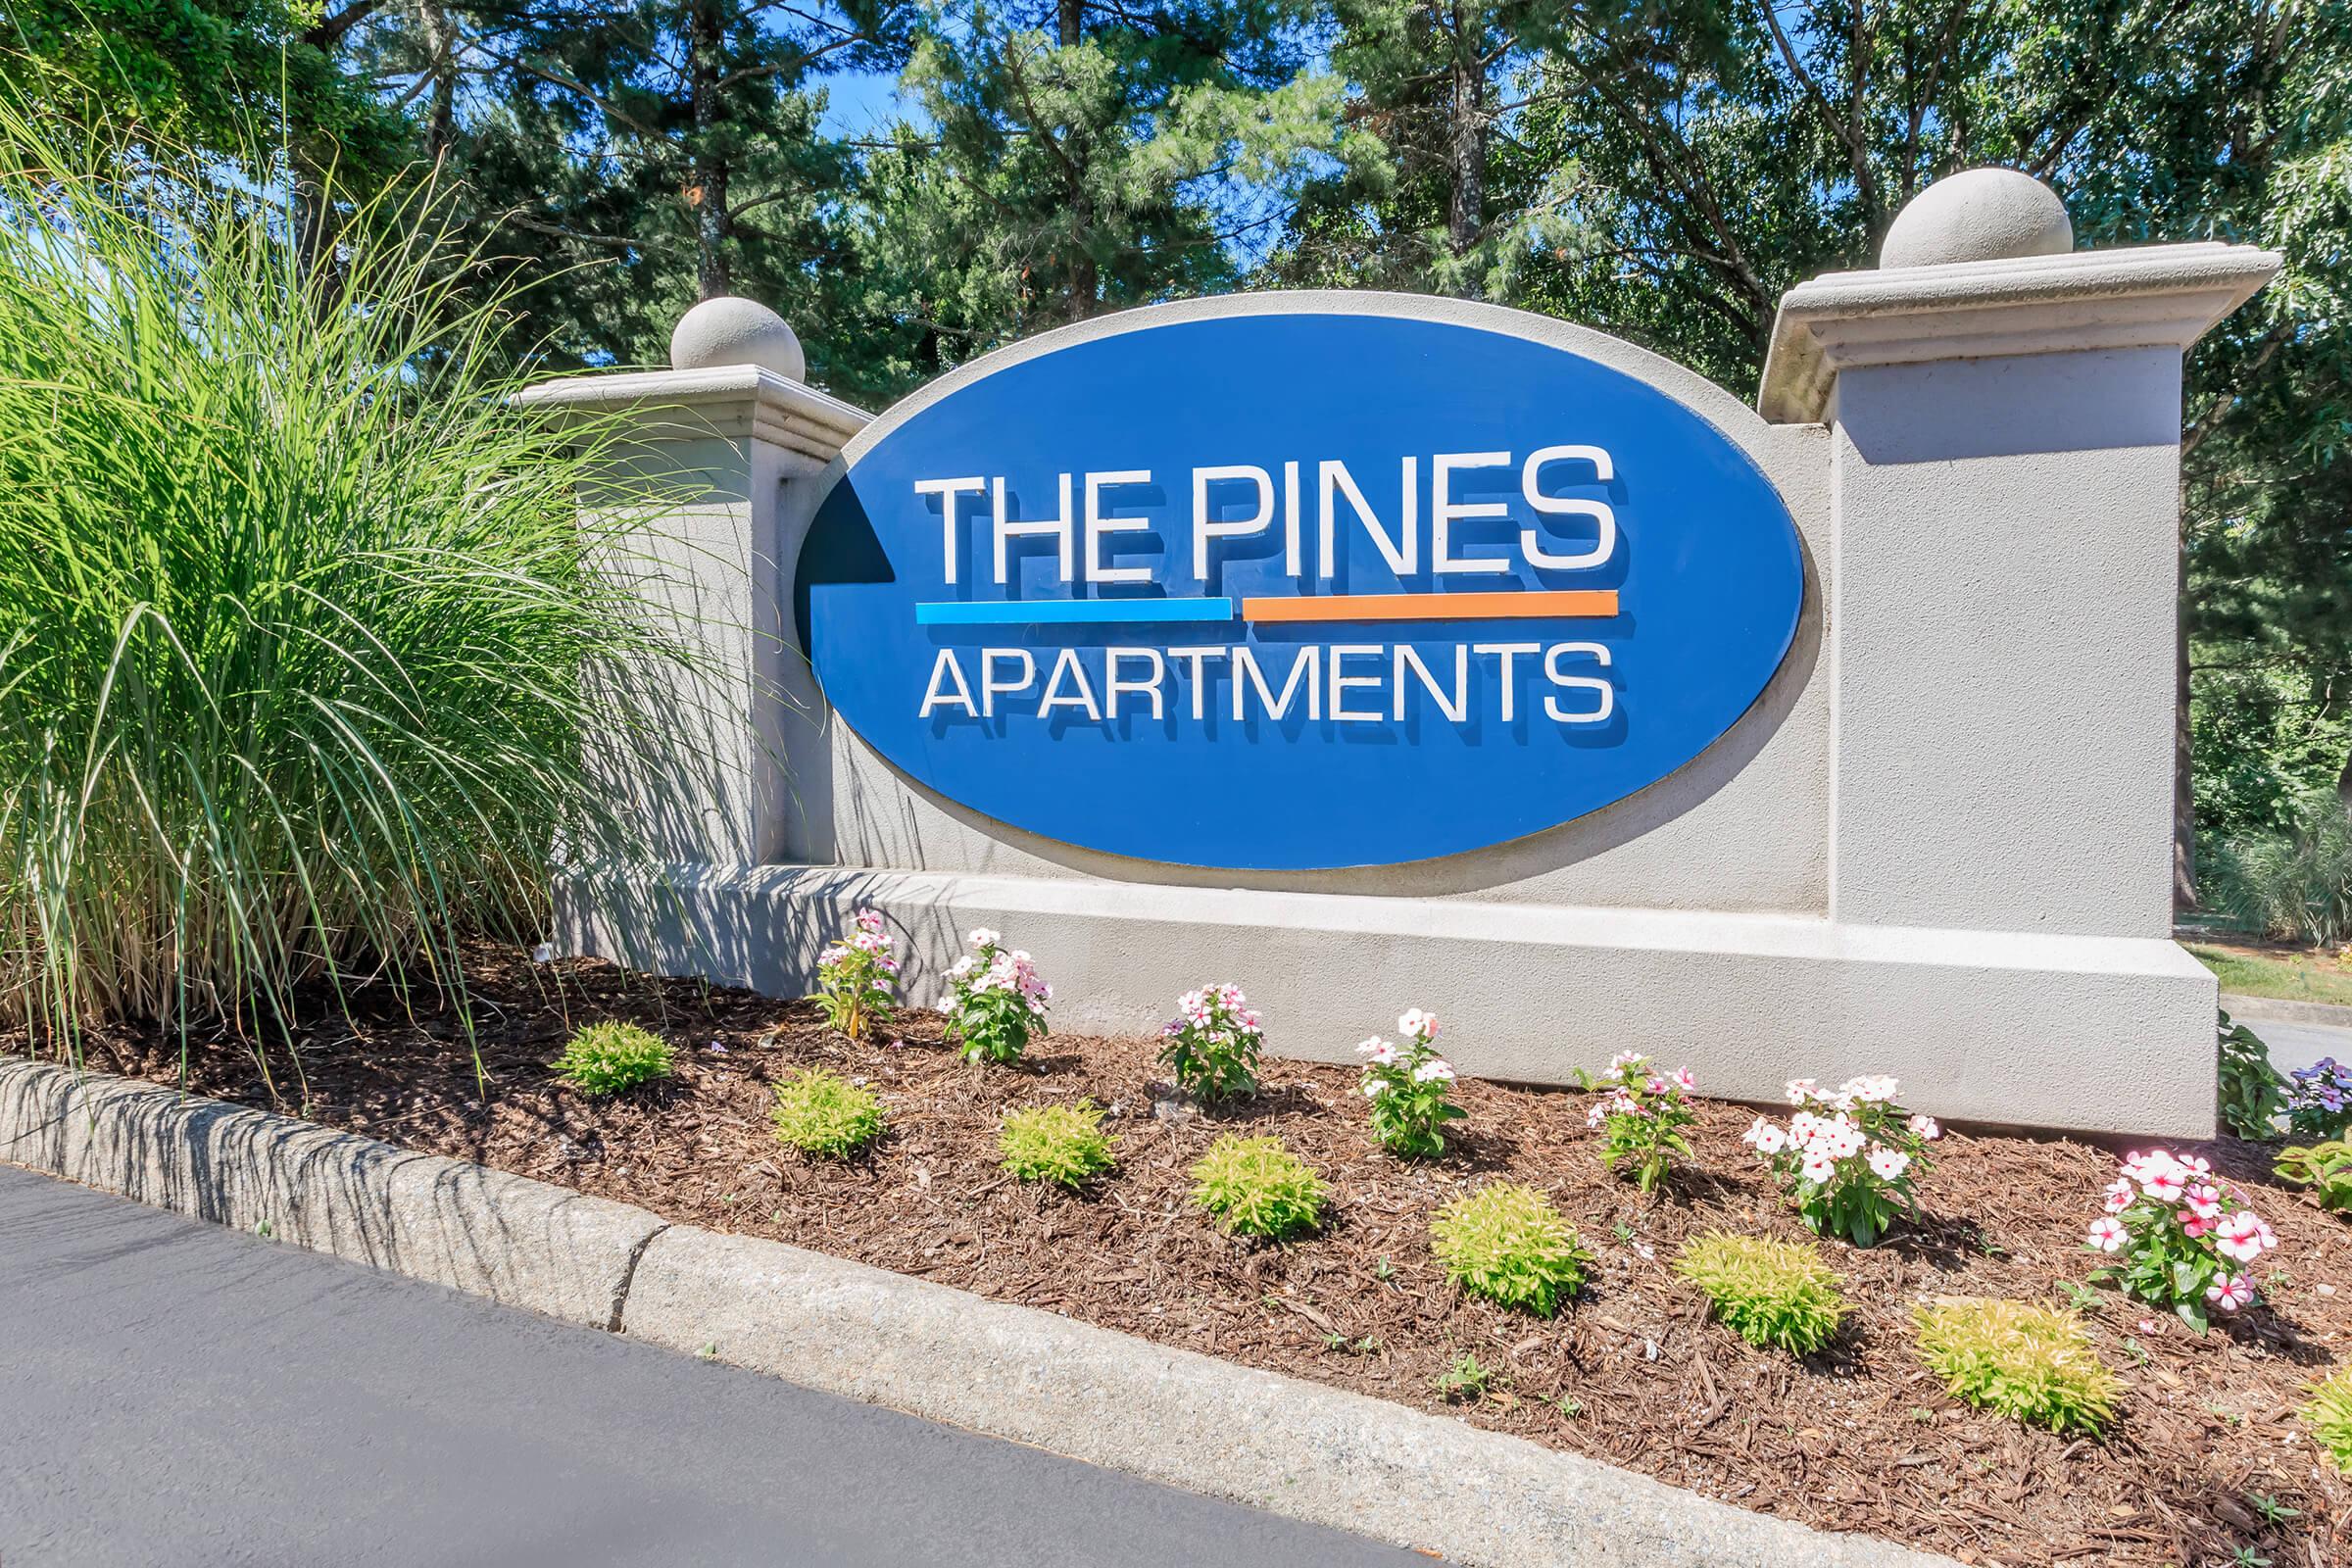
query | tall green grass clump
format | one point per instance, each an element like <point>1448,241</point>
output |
<point>302,638</point>
<point>2294,885</point>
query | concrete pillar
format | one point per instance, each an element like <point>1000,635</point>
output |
<point>716,467</point>
<point>2005,513</point>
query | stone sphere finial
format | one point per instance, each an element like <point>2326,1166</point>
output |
<point>1979,214</point>
<point>728,331</point>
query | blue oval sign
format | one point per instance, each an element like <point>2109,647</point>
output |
<point>1294,588</point>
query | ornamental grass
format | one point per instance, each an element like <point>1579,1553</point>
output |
<point>301,636</point>
<point>2035,1363</point>
<point>2329,1414</point>
<point>1771,1294</point>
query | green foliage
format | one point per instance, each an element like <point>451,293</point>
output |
<point>1465,1381</point>
<point>1409,1088</point>
<point>302,643</point>
<point>1779,1293</point>
<point>2329,1414</point>
<point>1064,1144</point>
<point>2292,885</point>
<point>2325,1168</point>
<point>1213,1044</point>
<point>1643,1118</point>
<point>996,1001</point>
<point>857,978</point>
<point>2034,1364</point>
<point>824,1115</point>
<point>2264,742</point>
<point>2253,1093</point>
<point>1506,1243</point>
<point>1255,1186</point>
<point>606,1059</point>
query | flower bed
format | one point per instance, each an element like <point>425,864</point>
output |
<point>2204,1457</point>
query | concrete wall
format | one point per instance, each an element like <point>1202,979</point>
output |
<point>1937,845</point>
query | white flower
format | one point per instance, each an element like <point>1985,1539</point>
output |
<point>1925,1127</point>
<point>2106,1235</point>
<point>982,937</point>
<point>1818,1167</point>
<point>1433,1069</point>
<point>1374,1088</point>
<point>1888,1162</point>
<point>1801,1089</point>
<point>1771,1141</point>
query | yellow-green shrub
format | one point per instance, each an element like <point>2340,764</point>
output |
<point>606,1059</point>
<point>2329,1414</point>
<point>1779,1293</point>
<point>1506,1243</point>
<point>824,1115</point>
<point>1255,1186</point>
<point>2031,1362</point>
<point>1064,1144</point>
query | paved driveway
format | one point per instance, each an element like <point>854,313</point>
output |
<point>173,1394</point>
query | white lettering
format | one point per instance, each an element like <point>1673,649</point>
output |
<point>990,687</point>
<point>1305,669</point>
<point>1340,683</point>
<point>1510,686</point>
<point>1196,656</point>
<point>1058,526</point>
<point>951,541</point>
<point>1454,711</point>
<point>1444,509</point>
<point>1337,479</point>
<point>1084,701</point>
<point>1097,525</point>
<point>933,697</point>
<point>1206,529</point>
<point>1116,684</point>
<point>1606,694</point>
<point>1531,544</point>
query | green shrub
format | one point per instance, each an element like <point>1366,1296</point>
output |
<point>1064,1144</point>
<point>1779,1293</point>
<point>2329,1414</point>
<point>606,1059</point>
<point>2292,885</point>
<point>301,634</point>
<point>2035,1363</point>
<point>1509,1243</point>
<point>826,1115</point>
<point>2252,1092</point>
<point>1255,1186</point>
<point>2325,1168</point>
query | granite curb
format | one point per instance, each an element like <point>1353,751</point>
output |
<point>1294,1447</point>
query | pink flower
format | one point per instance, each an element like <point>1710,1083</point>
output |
<point>2164,1183</point>
<point>2120,1195</point>
<point>2230,1291</point>
<point>1683,1081</point>
<point>2106,1235</point>
<point>2242,1235</point>
<point>1925,1127</point>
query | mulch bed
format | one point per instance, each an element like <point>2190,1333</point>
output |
<point>1859,1438</point>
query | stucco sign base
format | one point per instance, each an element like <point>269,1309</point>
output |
<point>1987,1026</point>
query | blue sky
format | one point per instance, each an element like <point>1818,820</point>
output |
<point>860,102</point>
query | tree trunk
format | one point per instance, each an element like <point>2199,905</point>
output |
<point>1466,143</point>
<point>2185,803</point>
<point>441,113</point>
<point>1086,282</point>
<point>708,196</point>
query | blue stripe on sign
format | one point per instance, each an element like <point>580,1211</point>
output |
<point>1042,612</point>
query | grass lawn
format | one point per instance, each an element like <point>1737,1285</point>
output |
<point>2290,974</point>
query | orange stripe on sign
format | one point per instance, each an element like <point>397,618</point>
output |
<point>1597,604</point>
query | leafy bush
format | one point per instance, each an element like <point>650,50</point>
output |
<point>2319,1104</point>
<point>1213,1044</point>
<point>607,1057</point>
<point>1848,1160</point>
<point>1255,1186</point>
<point>1064,1144</point>
<point>301,631</point>
<point>1506,1243</point>
<point>2329,1414</point>
<point>1642,1120</point>
<point>1411,1088</point>
<point>1779,1293</point>
<point>2292,885</point>
<point>2035,1363</point>
<point>995,1004</point>
<point>2175,1232</point>
<point>2252,1093</point>
<point>2327,1167</point>
<point>823,1114</point>
<point>856,977</point>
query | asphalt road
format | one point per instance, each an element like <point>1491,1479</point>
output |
<point>172,1393</point>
